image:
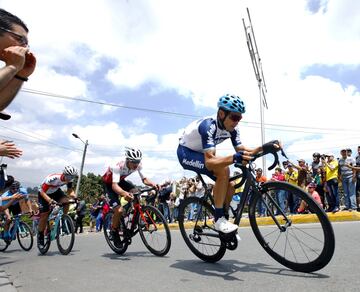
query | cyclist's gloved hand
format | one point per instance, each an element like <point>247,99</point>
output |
<point>128,197</point>
<point>238,157</point>
<point>271,147</point>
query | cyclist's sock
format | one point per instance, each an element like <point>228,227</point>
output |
<point>219,212</point>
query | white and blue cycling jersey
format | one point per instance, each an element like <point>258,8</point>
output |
<point>204,134</point>
<point>201,136</point>
<point>21,191</point>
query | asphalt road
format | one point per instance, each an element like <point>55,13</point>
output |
<point>92,266</point>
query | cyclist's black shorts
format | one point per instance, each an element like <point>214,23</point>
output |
<point>114,198</point>
<point>44,205</point>
<point>15,209</point>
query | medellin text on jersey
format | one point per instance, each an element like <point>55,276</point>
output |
<point>205,134</point>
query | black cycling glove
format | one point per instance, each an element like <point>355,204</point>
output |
<point>238,157</point>
<point>270,148</point>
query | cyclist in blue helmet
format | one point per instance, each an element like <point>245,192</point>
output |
<point>197,152</point>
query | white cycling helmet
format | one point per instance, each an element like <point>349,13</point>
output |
<point>133,154</point>
<point>70,171</point>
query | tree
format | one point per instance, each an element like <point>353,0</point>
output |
<point>91,187</point>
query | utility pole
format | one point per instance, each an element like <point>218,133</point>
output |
<point>257,66</point>
<point>82,163</point>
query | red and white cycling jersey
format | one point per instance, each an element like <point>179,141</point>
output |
<point>52,183</point>
<point>120,171</point>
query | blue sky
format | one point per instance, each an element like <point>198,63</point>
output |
<point>179,57</point>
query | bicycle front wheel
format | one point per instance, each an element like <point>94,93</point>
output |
<point>301,236</point>
<point>65,234</point>
<point>154,231</point>
<point>196,226</point>
<point>24,236</point>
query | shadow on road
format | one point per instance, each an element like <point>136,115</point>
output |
<point>128,255</point>
<point>226,268</point>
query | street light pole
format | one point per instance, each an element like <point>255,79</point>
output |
<point>82,163</point>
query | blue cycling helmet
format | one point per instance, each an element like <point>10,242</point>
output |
<point>231,103</point>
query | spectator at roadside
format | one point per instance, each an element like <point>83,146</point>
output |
<point>96,212</point>
<point>175,212</point>
<point>260,179</point>
<point>15,53</point>
<point>35,218</point>
<point>291,176</point>
<point>9,149</point>
<point>302,173</point>
<point>358,180</point>
<point>311,189</point>
<point>347,178</point>
<point>191,193</point>
<point>348,152</point>
<point>164,197</point>
<point>318,175</point>
<point>92,221</point>
<point>331,169</point>
<point>80,214</point>
<point>280,195</point>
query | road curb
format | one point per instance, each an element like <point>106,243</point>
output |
<point>300,218</point>
<point>340,216</point>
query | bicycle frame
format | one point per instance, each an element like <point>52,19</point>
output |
<point>251,188</point>
<point>56,219</point>
<point>138,212</point>
<point>14,225</point>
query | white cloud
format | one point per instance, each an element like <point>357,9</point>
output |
<point>196,48</point>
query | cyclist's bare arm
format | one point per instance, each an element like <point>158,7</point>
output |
<point>148,182</point>
<point>248,151</point>
<point>212,161</point>
<point>45,196</point>
<point>70,192</point>
<point>8,204</point>
<point>117,189</point>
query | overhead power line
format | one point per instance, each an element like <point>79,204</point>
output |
<point>279,127</point>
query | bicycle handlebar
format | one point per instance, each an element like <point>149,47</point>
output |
<point>256,156</point>
<point>139,192</point>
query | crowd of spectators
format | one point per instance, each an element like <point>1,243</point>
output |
<point>332,180</point>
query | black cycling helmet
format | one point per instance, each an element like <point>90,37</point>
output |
<point>316,154</point>
<point>15,185</point>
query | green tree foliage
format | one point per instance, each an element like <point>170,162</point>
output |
<point>90,187</point>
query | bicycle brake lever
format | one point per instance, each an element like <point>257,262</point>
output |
<point>283,153</point>
<point>276,161</point>
<point>243,179</point>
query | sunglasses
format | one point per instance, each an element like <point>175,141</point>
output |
<point>20,38</point>
<point>69,177</point>
<point>235,118</point>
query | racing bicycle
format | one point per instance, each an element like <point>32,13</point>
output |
<point>18,229</point>
<point>301,242</point>
<point>146,220</point>
<point>60,226</point>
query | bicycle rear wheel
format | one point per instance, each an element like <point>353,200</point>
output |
<point>109,238</point>
<point>24,236</point>
<point>200,235</point>
<point>65,234</point>
<point>301,242</point>
<point>154,231</point>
